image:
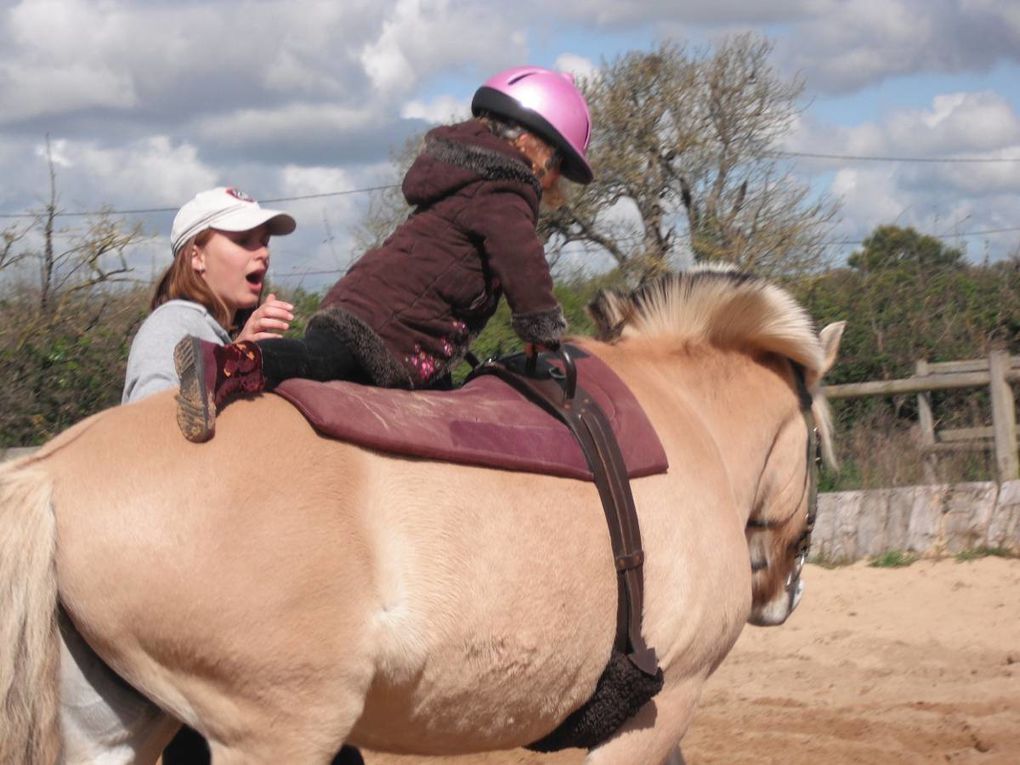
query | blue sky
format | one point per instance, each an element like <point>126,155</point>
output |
<point>291,98</point>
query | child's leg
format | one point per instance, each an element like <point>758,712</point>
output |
<point>212,375</point>
<point>318,356</point>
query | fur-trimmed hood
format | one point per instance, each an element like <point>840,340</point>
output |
<point>457,155</point>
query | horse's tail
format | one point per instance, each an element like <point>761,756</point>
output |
<point>29,635</point>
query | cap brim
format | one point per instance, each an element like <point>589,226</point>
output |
<point>279,223</point>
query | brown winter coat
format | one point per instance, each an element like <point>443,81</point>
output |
<point>410,308</point>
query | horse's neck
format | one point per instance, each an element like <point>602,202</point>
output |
<point>745,402</point>
<point>740,401</point>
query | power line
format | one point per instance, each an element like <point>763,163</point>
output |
<point>869,158</point>
<point>961,235</point>
<point>369,189</point>
<point>302,274</point>
<point>151,210</point>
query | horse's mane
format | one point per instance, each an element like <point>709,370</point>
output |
<point>721,306</point>
<point>717,305</point>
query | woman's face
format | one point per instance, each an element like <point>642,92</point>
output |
<point>234,265</point>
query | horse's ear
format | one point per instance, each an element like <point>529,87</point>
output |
<point>609,312</point>
<point>830,337</point>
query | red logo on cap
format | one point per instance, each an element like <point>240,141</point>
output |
<point>237,194</point>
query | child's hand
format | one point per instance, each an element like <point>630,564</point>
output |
<point>533,349</point>
<point>271,319</point>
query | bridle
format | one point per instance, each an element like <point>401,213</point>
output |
<point>801,546</point>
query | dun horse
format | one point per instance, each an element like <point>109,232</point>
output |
<point>284,593</point>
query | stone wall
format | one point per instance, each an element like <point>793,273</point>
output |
<point>924,520</point>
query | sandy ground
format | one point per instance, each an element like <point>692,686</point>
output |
<point>910,665</point>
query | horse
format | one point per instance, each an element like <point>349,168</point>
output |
<point>284,593</point>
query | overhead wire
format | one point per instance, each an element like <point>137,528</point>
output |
<point>384,187</point>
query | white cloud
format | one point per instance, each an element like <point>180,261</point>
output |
<point>854,44</point>
<point>419,38</point>
<point>152,172</point>
<point>437,111</point>
<point>294,122</point>
<point>960,124</point>
<point>612,13</point>
<point>936,197</point>
<point>579,66</point>
<point>147,102</point>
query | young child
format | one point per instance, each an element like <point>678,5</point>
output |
<point>406,312</point>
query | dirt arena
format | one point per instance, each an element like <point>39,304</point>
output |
<point>909,665</point>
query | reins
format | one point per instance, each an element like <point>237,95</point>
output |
<point>802,545</point>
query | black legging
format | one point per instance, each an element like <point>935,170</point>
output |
<point>319,355</point>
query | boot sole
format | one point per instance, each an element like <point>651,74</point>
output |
<point>196,411</point>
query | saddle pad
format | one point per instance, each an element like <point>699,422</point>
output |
<point>485,422</point>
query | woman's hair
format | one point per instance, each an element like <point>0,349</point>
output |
<point>181,282</point>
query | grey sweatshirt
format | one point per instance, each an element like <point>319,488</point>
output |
<point>150,366</point>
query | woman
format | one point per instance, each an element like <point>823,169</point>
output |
<point>220,243</point>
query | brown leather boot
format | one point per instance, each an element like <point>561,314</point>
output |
<point>211,376</point>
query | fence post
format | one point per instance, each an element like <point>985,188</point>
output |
<point>926,422</point>
<point>1003,417</point>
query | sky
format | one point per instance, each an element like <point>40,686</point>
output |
<point>146,103</point>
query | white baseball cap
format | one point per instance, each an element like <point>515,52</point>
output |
<point>225,209</point>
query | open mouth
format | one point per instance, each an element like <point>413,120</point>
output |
<point>255,278</point>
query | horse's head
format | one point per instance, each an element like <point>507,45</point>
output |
<point>783,517</point>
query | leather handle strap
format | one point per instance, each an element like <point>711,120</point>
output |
<point>574,407</point>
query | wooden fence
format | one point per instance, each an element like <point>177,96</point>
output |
<point>996,373</point>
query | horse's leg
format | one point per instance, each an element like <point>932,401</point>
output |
<point>295,733</point>
<point>651,736</point>
<point>290,750</point>
<point>104,721</point>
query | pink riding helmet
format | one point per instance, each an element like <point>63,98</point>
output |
<point>547,103</point>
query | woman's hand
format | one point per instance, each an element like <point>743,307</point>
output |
<point>271,319</point>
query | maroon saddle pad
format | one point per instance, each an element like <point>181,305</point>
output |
<point>485,422</point>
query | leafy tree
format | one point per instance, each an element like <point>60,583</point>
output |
<point>890,247</point>
<point>909,296</point>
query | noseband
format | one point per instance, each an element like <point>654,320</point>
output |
<point>800,548</point>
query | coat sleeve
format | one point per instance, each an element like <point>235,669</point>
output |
<point>504,222</point>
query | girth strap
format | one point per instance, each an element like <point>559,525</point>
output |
<point>556,391</point>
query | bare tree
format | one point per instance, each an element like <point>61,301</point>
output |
<point>684,148</point>
<point>9,238</point>
<point>63,340</point>
<point>90,258</point>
